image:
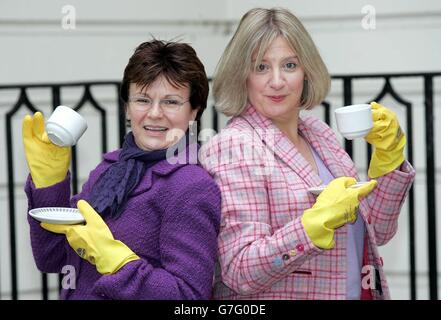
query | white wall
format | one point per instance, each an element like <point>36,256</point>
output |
<point>34,48</point>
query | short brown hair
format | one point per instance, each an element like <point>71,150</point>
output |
<point>177,62</point>
<point>256,30</point>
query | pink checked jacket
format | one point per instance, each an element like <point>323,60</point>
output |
<point>264,252</point>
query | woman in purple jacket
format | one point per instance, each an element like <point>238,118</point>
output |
<point>152,214</point>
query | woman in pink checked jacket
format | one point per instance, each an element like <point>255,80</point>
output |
<point>277,240</point>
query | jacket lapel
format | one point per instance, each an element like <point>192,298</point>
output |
<point>285,150</point>
<point>162,168</point>
<point>327,152</point>
<point>282,147</point>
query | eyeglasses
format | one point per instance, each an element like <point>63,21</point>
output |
<point>144,104</point>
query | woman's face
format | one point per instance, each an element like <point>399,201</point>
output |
<point>275,86</point>
<point>159,114</point>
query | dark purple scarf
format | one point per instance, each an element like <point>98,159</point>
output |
<point>110,192</point>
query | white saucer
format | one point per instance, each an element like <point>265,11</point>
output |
<point>319,189</point>
<point>57,215</point>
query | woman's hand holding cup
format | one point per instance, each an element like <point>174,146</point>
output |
<point>380,127</point>
<point>388,140</point>
<point>48,163</point>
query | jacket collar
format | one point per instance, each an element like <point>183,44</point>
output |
<point>161,168</point>
<point>288,153</point>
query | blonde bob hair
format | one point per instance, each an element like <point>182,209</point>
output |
<point>256,30</point>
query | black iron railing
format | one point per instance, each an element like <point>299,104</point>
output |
<point>23,101</point>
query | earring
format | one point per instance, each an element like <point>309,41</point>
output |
<point>192,127</point>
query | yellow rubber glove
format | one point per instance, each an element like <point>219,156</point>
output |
<point>94,241</point>
<point>334,207</point>
<point>48,163</point>
<point>388,141</point>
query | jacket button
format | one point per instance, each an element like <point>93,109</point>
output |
<point>285,257</point>
<point>300,247</point>
<point>293,253</point>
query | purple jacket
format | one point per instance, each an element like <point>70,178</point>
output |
<point>171,221</point>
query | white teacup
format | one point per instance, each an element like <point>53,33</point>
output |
<point>65,126</point>
<point>354,121</point>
